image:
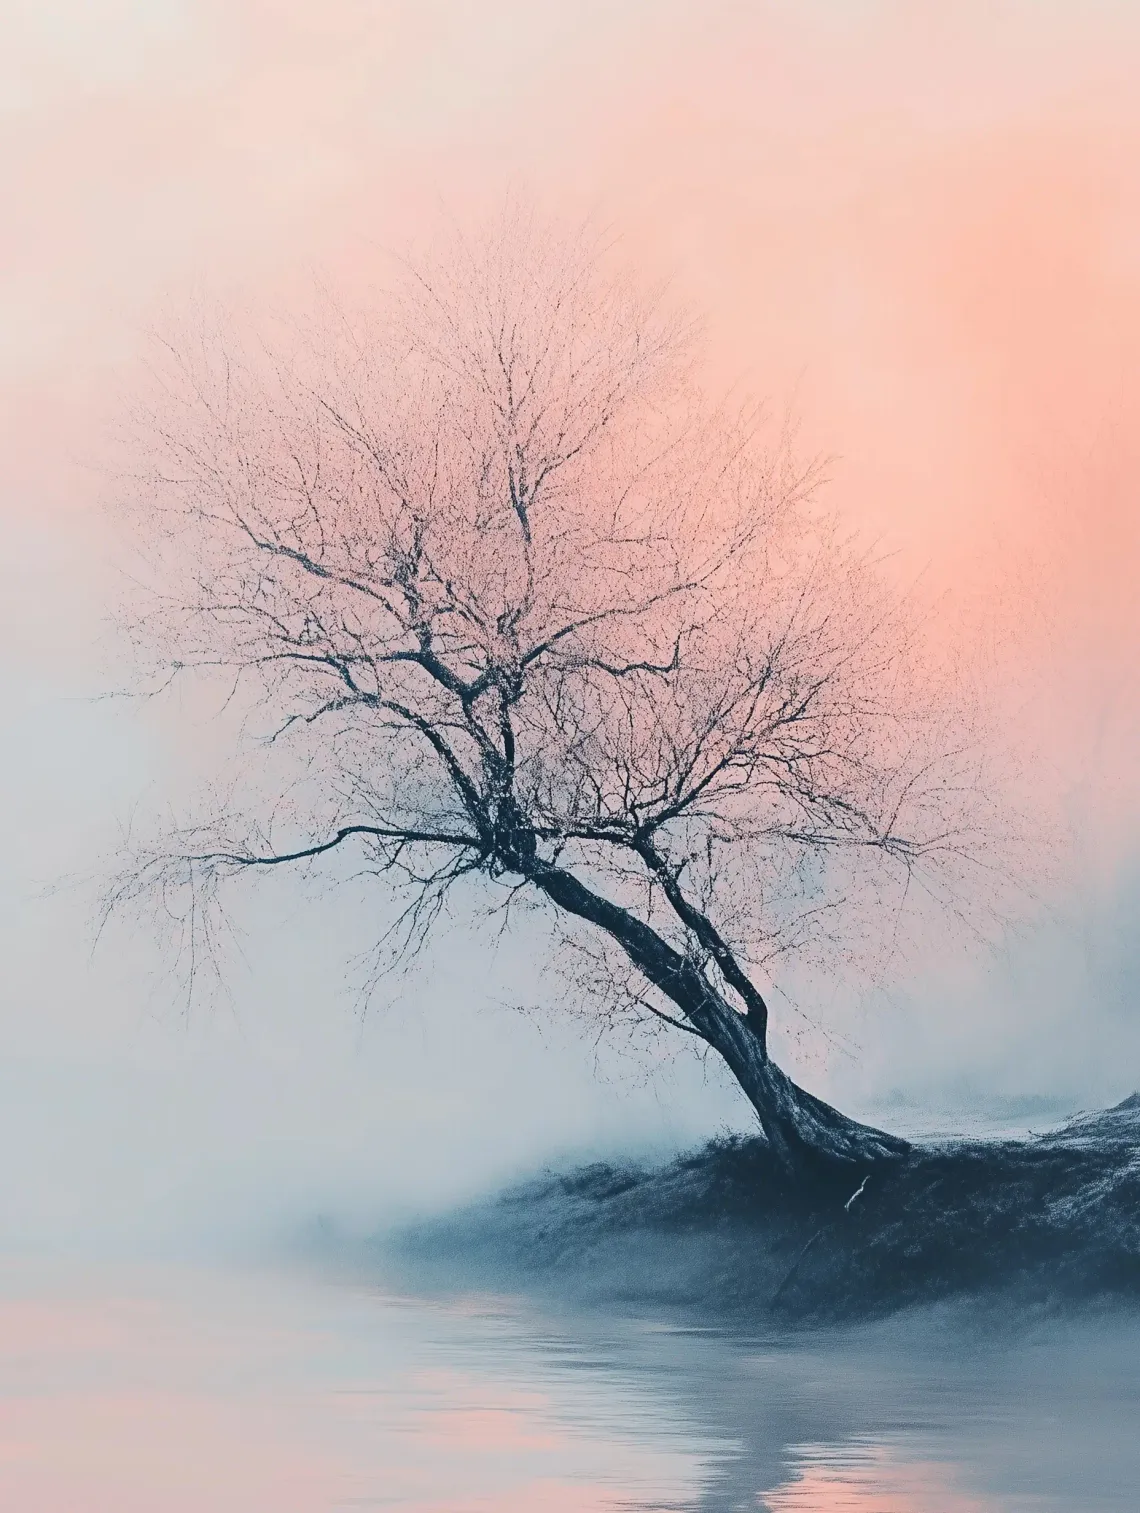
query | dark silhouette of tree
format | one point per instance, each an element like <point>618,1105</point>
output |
<point>527,609</point>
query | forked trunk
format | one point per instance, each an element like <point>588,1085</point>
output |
<point>804,1132</point>
<point>806,1135</point>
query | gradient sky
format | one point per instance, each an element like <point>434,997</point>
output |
<point>917,224</point>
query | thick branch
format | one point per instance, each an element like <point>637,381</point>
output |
<point>379,832</point>
<point>665,967</point>
<point>709,937</point>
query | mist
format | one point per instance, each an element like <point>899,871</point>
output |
<point>916,230</point>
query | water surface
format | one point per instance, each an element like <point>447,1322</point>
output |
<point>124,1390</point>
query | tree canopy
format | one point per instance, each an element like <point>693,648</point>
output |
<point>520,603</point>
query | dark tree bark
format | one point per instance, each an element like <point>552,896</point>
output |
<point>803,1131</point>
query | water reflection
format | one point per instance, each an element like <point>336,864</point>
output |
<point>124,1392</point>
<point>873,1478</point>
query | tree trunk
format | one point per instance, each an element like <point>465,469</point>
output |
<point>802,1130</point>
<point>805,1134</point>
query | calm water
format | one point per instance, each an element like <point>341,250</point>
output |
<point>167,1390</point>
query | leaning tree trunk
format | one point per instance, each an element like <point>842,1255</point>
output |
<point>802,1130</point>
<point>805,1134</point>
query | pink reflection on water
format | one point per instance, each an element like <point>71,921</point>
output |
<point>97,1451</point>
<point>484,1420</point>
<point>191,1392</point>
<point>871,1479</point>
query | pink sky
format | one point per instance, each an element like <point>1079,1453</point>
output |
<point>918,223</point>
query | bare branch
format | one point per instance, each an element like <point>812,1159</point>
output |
<point>498,580</point>
<point>277,859</point>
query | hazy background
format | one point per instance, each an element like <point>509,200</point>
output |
<point>919,224</point>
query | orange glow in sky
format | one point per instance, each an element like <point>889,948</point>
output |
<point>917,225</point>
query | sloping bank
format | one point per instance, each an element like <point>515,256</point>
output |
<point>1053,1219</point>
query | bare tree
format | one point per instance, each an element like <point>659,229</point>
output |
<point>528,610</point>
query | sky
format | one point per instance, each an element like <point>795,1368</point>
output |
<point>915,225</point>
